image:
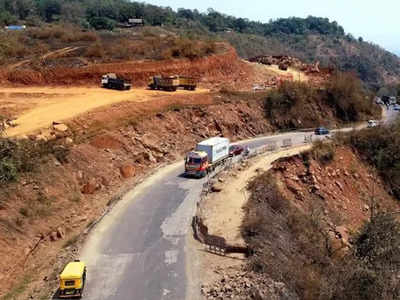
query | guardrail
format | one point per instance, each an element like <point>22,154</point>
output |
<point>218,244</point>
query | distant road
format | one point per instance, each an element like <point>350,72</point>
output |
<point>139,251</point>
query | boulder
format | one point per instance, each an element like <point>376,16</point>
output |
<point>53,236</point>
<point>60,127</point>
<point>60,233</point>
<point>127,171</point>
<point>149,156</point>
<point>90,187</point>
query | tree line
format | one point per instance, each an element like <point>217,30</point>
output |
<point>104,14</point>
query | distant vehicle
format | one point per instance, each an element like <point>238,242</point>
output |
<point>321,131</point>
<point>396,107</point>
<point>170,83</point>
<point>111,81</point>
<point>257,87</point>
<point>15,27</point>
<point>372,123</point>
<point>379,101</point>
<point>207,156</point>
<point>235,150</point>
<point>72,280</point>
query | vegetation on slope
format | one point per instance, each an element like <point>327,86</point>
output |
<point>294,245</point>
<point>309,39</point>
<point>380,147</point>
<point>298,104</point>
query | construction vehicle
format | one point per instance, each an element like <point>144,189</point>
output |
<point>187,83</point>
<point>207,156</point>
<point>170,83</point>
<point>111,81</point>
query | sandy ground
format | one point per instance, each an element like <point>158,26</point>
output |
<point>38,107</point>
<point>223,213</point>
<point>297,75</point>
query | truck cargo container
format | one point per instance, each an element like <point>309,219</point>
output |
<point>170,83</point>
<point>187,83</point>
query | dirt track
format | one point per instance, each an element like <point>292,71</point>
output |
<point>38,107</point>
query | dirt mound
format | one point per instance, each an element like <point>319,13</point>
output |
<point>225,68</point>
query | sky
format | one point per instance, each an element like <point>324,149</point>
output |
<point>375,21</point>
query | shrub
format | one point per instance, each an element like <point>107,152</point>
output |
<point>368,272</point>
<point>323,152</point>
<point>298,104</point>
<point>21,156</point>
<point>96,50</point>
<point>380,147</point>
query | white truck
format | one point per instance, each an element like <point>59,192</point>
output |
<point>207,155</point>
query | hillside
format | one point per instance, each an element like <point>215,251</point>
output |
<point>310,39</point>
<point>374,65</point>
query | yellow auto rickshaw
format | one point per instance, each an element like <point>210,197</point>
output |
<point>72,280</point>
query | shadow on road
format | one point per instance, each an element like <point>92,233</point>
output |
<point>56,294</point>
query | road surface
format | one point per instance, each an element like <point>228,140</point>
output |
<point>139,250</point>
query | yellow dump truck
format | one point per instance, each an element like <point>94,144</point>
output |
<point>72,280</point>
<point>188,83</point>
<point>170,83</point>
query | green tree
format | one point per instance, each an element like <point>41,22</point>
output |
<point>49,9</point>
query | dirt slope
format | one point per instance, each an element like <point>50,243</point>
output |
<point>225,69</point>
<point>299,220</point>
<point>61,104</point>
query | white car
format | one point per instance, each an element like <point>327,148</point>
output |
<point>372,123</point>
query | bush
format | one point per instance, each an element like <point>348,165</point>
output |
<point>99,23</point>
<point>380,147</point>
<point>323,152</point>
<point>21,156</point>
<point>283,238</point>
<point>298,104</point>
<point>96,50</point>
<point>188,48</point>
<point>369,272</point>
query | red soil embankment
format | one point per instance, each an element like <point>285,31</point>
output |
<point>212,69</point>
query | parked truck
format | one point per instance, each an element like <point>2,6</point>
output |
<point>207,156</point>
<point>111,81</point>
<point>170,83</point>
<point>187,83</point>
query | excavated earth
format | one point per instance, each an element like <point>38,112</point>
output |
<point>340,194</point>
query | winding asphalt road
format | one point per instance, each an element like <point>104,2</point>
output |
<point>139,250</point>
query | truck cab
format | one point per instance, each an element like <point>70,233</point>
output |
<point>196,164</point>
